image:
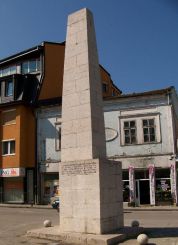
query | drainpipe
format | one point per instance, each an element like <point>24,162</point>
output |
<point>36,163</point>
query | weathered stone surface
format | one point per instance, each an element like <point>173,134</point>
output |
<point>142,239</point>
<point>91,195</point>
<point>82,96</point>
<point>47,223</point>
<point>90,185</point>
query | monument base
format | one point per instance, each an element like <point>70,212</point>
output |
<point>91,196</point>
<point>52,233</point>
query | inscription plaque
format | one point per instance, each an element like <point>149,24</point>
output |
<point>79,169</point>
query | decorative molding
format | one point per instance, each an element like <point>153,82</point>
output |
<point>111,134</point>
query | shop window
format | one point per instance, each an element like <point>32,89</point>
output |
<point>163,191</point>
<point>149,130</point>
<point>58,137</point>
<point>125,175</point>
<point>126,191</point>
<point>142,174</point>
<point>8,117</point>
<point>8,147</point>
<point>162,173</point>
<point>129,132</point>
<point>8,88</point>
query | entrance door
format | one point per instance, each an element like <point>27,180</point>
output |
<point>144,191</point>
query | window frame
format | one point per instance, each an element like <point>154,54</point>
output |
<point>9,70</point>
<point>57,136</point>
<point>130,134</point>
<point>105,87</point>
<point>148,126</point>
<point>9,147</point>
<point>131,115</point>
<point>28,62</point>
<point>6,88</point>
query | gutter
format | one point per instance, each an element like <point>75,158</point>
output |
<point>16,56</point>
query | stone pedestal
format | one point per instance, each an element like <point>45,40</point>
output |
<point>91,194</point>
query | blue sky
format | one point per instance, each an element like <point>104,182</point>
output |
<point>137,39</point>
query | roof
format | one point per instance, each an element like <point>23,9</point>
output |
<point>27,51</point>
<point>146,93</point>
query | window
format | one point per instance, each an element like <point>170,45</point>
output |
<point>25,67</point>
<point>8,88</point>
<point>30,66</point>
<point>129,132</point>
<point>58,137</point>
<point>105,87</point>
<point>114,93</point>
<point>8,147</point>
<point>149,130</point>
<point>8,117</point>
<point>8,71</point>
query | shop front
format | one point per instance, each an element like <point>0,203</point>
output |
<point>12,185</point>
<point>150,186</point>
<point>50,187</point>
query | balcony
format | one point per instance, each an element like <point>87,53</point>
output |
<point>18,87</point>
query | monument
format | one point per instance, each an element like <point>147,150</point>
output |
<point>91,208</point>
<point>90,185</point>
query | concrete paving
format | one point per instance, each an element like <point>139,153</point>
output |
<point>53,233</point>
<point>161,226</point>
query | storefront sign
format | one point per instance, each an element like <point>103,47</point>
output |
<point>132,183</point>
<point>12,172</point>
<point>152,184</point>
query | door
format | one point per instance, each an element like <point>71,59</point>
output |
<point>144,191</point>
<point>30,186</point>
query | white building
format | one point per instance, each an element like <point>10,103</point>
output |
<point>48,151</point>
<point>141,131</point>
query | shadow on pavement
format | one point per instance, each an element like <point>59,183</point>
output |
<point>155,232</point>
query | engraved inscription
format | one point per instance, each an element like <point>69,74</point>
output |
<point>79,169</point>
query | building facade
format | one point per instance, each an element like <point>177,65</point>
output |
<point>48,118</point>
<point>48,151</point>
<point>21,78</point>
<point>142,132</point>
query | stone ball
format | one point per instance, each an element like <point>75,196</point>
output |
<point>142,239</point>
<point>47,223</point>
<point>135,223</point>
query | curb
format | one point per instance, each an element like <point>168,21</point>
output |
<point>150,209</point>
<point>126,209</point>
<point>26,206</point>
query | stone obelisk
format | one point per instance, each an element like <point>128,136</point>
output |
<point>90,185</point>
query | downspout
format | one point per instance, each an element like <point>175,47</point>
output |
<point>37,167</point>
<point>168,98</point>
<point>36,162</point>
